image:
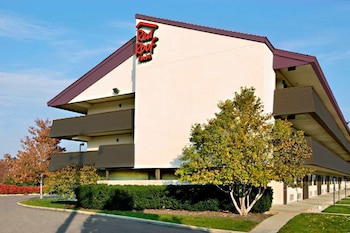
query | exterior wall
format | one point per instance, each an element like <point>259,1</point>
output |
<point>129,175</point>
<point>313,186</point>
<point>112,106</point>
<point>277,188</point>
<point>190,72</point>
<point>121,78</point>
<point>139,182</point>
<point>294,194</point>
<point>95,142</point>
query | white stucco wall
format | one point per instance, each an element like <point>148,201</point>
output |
<point>189,74</point>
<point>277,188</point>
<point>95,142</point>
<point>120,77</point>
<point>111,106</point>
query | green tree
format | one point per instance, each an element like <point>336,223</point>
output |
<point>290,151</point>
<point>234,150</point>
<point>63,182</point>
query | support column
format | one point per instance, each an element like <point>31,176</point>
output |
<point>328,183</point>
<point>285,188</point>
<point>319,184</point>
<point>306,187</point>
<point>107,174</point>
<point>157,174</point>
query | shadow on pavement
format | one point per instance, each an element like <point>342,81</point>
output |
<point>63,228</point>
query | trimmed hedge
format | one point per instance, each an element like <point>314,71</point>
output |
<point>183,197</point>
<point>15,189</point>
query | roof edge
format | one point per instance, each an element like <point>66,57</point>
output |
<point>285,59</point>
<point>261,39</point>
<point>95,74</point>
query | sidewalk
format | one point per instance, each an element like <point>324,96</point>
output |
<point>286,212</point>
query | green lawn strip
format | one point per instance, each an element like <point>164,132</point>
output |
<point>341,209</point>
<point>50,202</point>
<point>316,223</point>
<point>199,221</point>
<point>344,201</point>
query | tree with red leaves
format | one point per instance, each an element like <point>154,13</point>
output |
<point>33,160</point>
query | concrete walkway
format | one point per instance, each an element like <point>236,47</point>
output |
<point>283,213</point>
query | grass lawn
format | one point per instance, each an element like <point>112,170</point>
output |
<point>342,209</point>
<point>345,201</point>
<point>208,222</point>
<point>199,221</point>
<point>316,223</point>
<point>50,202</point>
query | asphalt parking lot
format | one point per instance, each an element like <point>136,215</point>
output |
<point>15,218</point>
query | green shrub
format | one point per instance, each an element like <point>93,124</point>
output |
<point>138,197</point>
<point>264,203</point>
<point>64,181</point>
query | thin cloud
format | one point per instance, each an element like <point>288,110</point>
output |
<point>336,56</point>
<point>76,55</point>
<point>122,24</point>
<point>72,51</point>
<point>30,86</point>
<point>312,39</point>
<point>302,44</point>
<point>19,27</point>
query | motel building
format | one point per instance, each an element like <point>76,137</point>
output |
<point>138,105</point>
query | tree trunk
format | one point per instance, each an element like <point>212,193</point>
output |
<point>235,203</point>
<point>244,207</point>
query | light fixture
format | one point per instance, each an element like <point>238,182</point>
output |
<point>116,91</point>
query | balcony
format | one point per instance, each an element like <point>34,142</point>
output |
<point>326,161</point>
<point>93,125</point>
<point>108,156</point>
<point>303,107</point>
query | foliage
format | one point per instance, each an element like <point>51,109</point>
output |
<point>290,150</point>
<point>4,169</point>
<point>33,161</point>
<point>103,197</point>
<point>16,189</point>
<point>66,180</point>
<point>138,197</point>
<point>234,150</point>
<point>315,223</point>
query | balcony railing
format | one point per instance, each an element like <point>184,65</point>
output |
<point>326,159</point>
<point>291,102</point>
<point>90,125</point>
<point>108,156</point>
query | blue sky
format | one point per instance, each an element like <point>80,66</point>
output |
<point>47,45</point>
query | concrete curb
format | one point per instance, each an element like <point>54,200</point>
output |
<point>160,223</point>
